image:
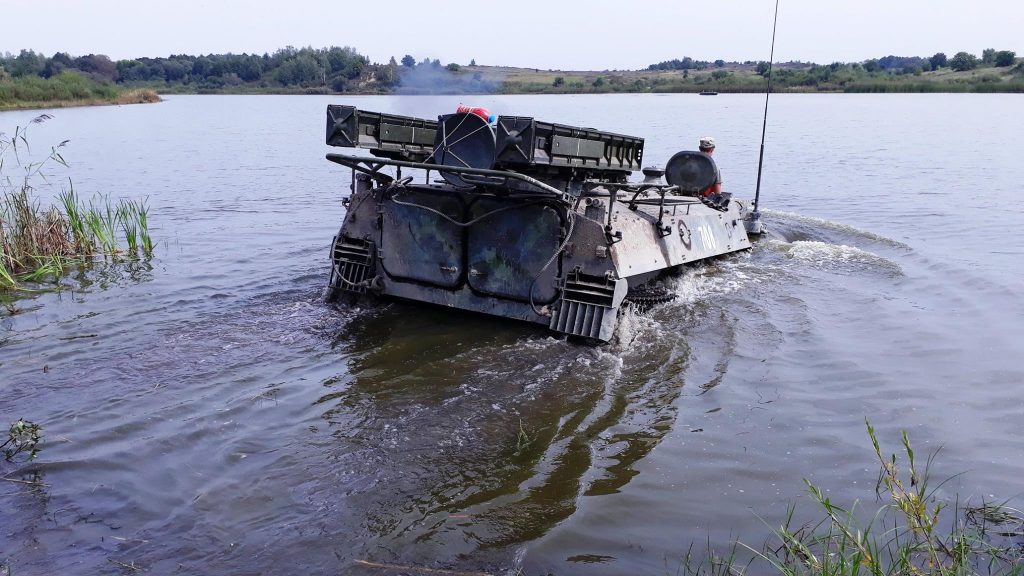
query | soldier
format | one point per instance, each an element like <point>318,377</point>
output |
<point>707,146</point>
<point>713,192</point>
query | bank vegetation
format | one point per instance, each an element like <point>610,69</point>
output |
<point>30,77</point>
<point>40,243</point>
<point>67,89</point>
<point>911,526</point>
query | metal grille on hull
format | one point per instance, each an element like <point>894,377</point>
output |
<point>583,308</point>
<point>353,263</point>
<point>579,319</point>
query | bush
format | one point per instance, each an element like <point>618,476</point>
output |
<point>64,86</point>
<point>963,61</point>
<point>1005,58</point>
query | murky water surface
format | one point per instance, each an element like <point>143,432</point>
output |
<point>207,413</point>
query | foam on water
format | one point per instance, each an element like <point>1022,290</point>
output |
<point>841,258</point>
<point>785,223</point>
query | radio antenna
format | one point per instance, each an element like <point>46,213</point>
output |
<point>754,220</point>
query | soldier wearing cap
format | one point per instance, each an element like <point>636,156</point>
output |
<point>707,146</point>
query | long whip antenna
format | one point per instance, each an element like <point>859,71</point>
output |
<point>764,125</point>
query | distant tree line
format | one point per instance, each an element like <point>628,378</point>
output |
<point>890,64</point>
<point>322,69</point>
<point>686,63</point>
<point>336,68</point>
<point>343,69</point>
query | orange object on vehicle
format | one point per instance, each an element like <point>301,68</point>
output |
<point>481,112</point>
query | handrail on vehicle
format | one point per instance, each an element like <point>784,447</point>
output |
<point>373,165</point>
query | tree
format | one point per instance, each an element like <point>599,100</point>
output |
<point>127,70</point>
<point>598,83</point>
<point>408,61</point>
<point>387,76</point>
<point>472,62</point>
<point>872,65</point>
<point>201,68</point>
<point>558,81</point>
<point>762,68</point>
<point>174,70</point>
<point>453,67</point>
<point>963,61</point>
<point>720,74</point>
<point>98,66</point>
<point>988,55</point>
<point>250,69</point>
<point>345,61</point>
<point>1005,58</point>
<point>28,63</point>
<point>937,61</point>
<point>719,63</point>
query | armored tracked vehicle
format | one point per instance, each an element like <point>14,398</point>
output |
<point>517,217</point>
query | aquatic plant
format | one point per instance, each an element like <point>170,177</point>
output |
<point>38,243</point>
<point>523,440</point>
<point>905,537</point>
<point>22,437</point>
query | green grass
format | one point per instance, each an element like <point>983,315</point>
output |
<point>66,89</point>
<point>39,243</point>
<point>913,533</point>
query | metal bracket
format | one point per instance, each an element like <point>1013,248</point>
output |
<point>372,166</point>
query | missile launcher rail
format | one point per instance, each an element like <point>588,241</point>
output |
<point>526,142</point>
<point>522,144</point>
<point>385,135</point>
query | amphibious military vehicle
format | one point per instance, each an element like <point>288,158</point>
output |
<point>517,217</point>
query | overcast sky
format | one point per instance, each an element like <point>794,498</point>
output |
<point>591,35</point>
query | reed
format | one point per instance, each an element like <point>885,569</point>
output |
<point>37,243</point>
<point>67,89</point>
<point>914,533</point>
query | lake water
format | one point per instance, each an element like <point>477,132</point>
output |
<point>205,412</point>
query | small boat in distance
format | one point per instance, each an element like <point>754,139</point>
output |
<point>708,93</point>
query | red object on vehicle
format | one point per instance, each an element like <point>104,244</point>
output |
<point>481,112</point>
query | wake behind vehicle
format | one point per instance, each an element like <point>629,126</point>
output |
<point>517,217</point>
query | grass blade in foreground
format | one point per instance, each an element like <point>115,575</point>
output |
<point>903,538</point>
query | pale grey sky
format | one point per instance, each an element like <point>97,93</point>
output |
<point>595,34</point>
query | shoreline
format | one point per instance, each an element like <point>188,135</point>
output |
<point>131,96</point>
<point>149,96</point>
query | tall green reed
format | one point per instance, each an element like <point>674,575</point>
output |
<point>38,243</point>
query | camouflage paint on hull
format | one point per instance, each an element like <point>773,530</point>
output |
<point>563,264</point>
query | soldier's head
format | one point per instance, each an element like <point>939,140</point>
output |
<point>707,145</point>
